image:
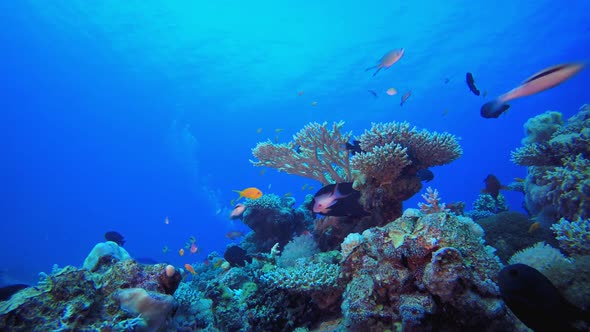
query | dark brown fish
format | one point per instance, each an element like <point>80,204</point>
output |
<point>493,186</point>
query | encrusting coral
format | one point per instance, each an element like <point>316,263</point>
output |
<point>558,173</point>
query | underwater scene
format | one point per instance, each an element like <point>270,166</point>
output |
<point>295,166</point>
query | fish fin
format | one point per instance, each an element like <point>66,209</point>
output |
<point>239,192</point>
<point>493,109</point>
<point>378,69</point>
<point>371,68</point>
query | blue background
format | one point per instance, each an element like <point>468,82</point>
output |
<point>116,114</point>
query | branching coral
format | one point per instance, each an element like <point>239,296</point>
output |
<point>573,236</point>
<point>556,179</point>
<point>432,204</point>
<point>316,152</point>
<point>570,187</point>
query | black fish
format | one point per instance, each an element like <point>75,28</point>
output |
<point>236,256</point>
<point>493,186</point>
<point>338,200</point>
<point>6,292</point>
<point>425,175</point>
<point>471,84</point>
<point>535,301</point>
<point>493,109</point>
<point>373,93</point>
<point>115,237</point>
<point>354,148</point>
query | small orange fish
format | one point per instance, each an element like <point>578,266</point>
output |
<point>405,98</point>
<point>233,235</point>
<point>251,193</point>
<point>534,226</point>
<point>189,268</point>
<point>193,249</point>
<point>388,60</point>
<point>181,252</point>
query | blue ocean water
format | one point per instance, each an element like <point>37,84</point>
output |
<point>116,115</point>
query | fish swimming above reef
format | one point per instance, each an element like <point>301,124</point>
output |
<point>354,148</point>
<point>493,186</point>
<point>6,292</point>
<point>115,237</point>
<point>388,60</point>
<point>536,301</point>
<point>541,81</point>
<point>251,193</point>
<point>425,175</point>
<point>405,98</point>
<point>338,200</point>
<point>471,83</point>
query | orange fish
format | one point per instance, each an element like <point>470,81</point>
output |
<point>388,60</point>
<point>189,268</point>
<point>251,193</point>
<point>405,98</point>
<point>193,249</point>
<point>237,212</point>
<point>233,235</point>
<point>181,252</point>
<point>534,226</point>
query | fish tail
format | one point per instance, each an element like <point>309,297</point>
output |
<point>239,192</point>
<point>378,69</point>
<point>370,68</point>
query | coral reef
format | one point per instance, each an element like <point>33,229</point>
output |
<point>486,206</point>
<point>121,295</point>
<point>422,271</point>
<point>509,232</point>
<point>573,236</point>
<point>274,220</point>
<point>558,173</point>
<point>384,171</point>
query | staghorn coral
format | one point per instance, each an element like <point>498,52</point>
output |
<point>316,152</point>
<point>573,236</point>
